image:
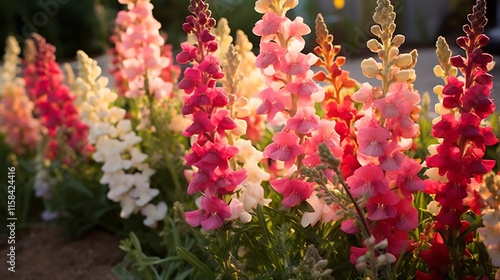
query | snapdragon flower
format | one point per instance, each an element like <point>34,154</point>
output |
<point>54,104</point>
<point>387,178</point>
<point>464,103</point>
<point>117,146</point>
<point>21,129</point>
<point>289,98</point>
<point>215,175</point>
<point>143,62</point>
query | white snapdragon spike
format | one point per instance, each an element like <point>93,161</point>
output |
<point>250,193</point>
<point>124,164</point>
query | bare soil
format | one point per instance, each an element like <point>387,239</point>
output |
<point>43,252</point>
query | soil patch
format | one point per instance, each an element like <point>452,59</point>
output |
<point>43,252</point>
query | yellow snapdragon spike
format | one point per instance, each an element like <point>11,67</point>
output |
<point>339,4</point>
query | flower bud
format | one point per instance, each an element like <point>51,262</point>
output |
<point>361,266</point>
<point>453,71</point>
<point>393,52</point>
<point>381,260</point>
<point>370,68</point>
<point>375,29</point>
<point>438,71</point>
<point>262,6</point>
<point>404,60</point>
<point>370,241</point>
<point>373,45</point>
<point>382,244</point>
<point>405,75</point>
<point>290,4</point>
<point>326,273</point>
<point>240,129</point>
<point>243,112</point>
<point>390,258</point>
<point>315,274</point>
<point>398,40</point>
<point>322,263</point>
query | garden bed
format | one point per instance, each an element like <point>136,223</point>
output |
<point>43,252</point>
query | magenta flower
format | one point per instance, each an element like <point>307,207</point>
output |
<point>294,191</point>
<point>372,141</point>
<point>205,103</point>
<point>270,53</point>
<point>290,96</point>
<point>407,217</point>
<point>272,104</point>
<point>369,180</point>
<point>382,206</point>
<point>268,26</point>
<point>54,105</point>
<point>285,147</point>
<point>211,215</point>
<point>304,121</point>
<point>295,63</point>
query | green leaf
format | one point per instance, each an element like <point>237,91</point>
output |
<point>478,222</point>
<point>122,273</point>
<point>197,263</point>
<point>306,207</point>
<point>77,186</point>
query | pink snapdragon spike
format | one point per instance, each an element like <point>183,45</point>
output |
<point>290,99</point>
<point>387,178</point>
<point>143,63</point>
<point>464,138</point>
<point>54,104</point>
<point>206,103</point>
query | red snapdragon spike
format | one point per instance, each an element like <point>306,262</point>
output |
<point>54,104</point>
<point>206,103</point>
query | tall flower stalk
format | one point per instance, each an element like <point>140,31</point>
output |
<point>290,99</point>
<point>205,102</point>
<point>456,164</point>
<point>67,134</point>
<point>125,166</point>
<point>142,59</point>
<point>387,178</point>
<point>21,129</point>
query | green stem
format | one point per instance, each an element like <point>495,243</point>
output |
<point>455,255</point>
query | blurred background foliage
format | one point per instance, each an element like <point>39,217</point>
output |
<point>86,24</point>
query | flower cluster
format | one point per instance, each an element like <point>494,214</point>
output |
<point>16,109</point>
<point>290,99</point>
<point>54,105</point>
<point>125,168</point>
<point>456,164</point>
<point>143,63</point>
<point>205,103</point>
<point>249,194</point>
<point>387,177</point>
<point>338,95</point>
<point>246,99</point>
<point>457,161</point>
